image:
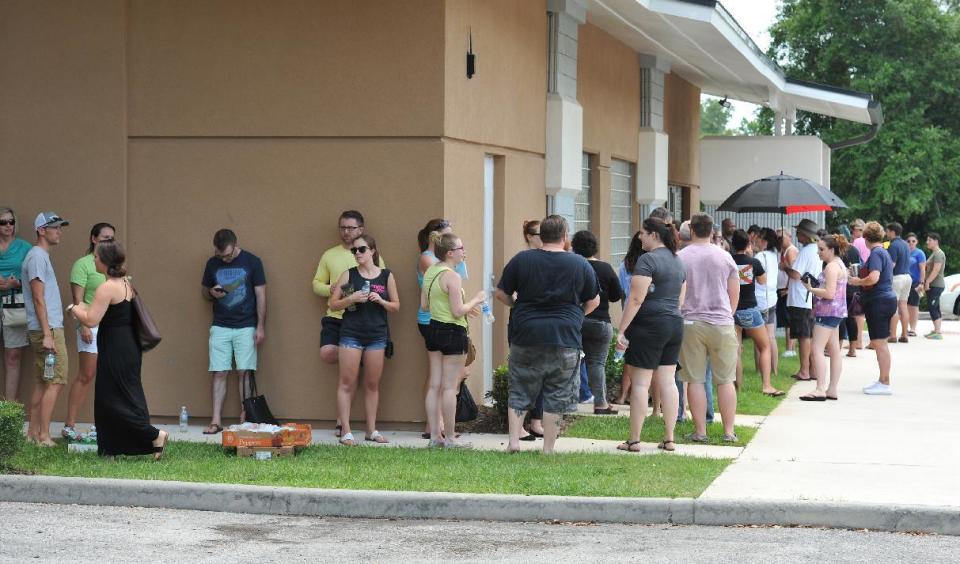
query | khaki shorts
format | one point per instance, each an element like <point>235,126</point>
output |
<point>39,355</point>
<point>703,341</point>
<point>901,286</point>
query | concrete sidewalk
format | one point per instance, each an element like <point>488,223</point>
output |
<point>898,450</point>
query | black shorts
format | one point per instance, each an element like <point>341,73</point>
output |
<point>801,322</point>
<point>330,331</point>
<point>914,298</point>
<point>424,330</point>
<point>879,312</point>
<point>654,343</point>
<point>447,338</point>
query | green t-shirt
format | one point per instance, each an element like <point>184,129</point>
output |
<point>84,274</point>
<point>937,257</point>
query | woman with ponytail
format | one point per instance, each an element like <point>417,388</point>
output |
<point>119,405</point>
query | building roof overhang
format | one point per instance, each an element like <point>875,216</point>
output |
<point>704,44</point>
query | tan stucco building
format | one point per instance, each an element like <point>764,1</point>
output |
<point>173,119</point>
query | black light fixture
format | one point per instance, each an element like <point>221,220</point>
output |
<point>471,58</point>
<point>724,103</point>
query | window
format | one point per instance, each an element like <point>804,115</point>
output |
<point>582,206</point>
<point>675,202</point>
<point>621,208</point>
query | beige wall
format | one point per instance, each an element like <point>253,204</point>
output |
<point>62,119</point>
<point>291,68</point>
<point>504,104</point>
<point>681,121</point>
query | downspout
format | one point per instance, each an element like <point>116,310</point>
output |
<point>876,118</point>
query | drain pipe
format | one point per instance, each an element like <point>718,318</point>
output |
<point>876,119</point>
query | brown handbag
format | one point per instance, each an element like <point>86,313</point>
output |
<point>143,324</point>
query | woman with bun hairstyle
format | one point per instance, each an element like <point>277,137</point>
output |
<point>119,405</point>
<point>447,339</point>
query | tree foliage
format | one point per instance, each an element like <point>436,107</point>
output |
<point>905,53</point>
<point>714,118</point>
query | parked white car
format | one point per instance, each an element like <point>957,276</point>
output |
<point>949,305</point>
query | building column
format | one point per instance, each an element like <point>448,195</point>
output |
<point>652,157</point>
<point>564,131</point>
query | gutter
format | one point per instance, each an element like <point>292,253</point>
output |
<point>876,118</point>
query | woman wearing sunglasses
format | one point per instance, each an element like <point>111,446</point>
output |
<point>447,340</point>
<point>365,293</point>
<point>13,250</point>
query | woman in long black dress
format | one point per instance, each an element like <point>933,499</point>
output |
<point>119,407</point>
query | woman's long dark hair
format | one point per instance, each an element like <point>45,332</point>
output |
<point>666,232</point>
<point>372,243</point>
<point>95,232</point>
<point>423,237</point>
<point>112,256</point>
<point>633,253</point>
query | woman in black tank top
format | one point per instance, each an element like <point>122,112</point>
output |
<point>365,293</point>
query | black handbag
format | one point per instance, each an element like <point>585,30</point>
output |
<point>255,406</point>
<point>466,408</point>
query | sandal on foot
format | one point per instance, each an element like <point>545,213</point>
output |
<point>695,438</point>
<point>668,446</point>
<point>731,439</point>
<point>834,398</point>
<point>338,430</point>
<point>775,393</point>
<point>604,411</point>
<point>212,429</point>
<point>628,446</point>
<point>811,397</point>
<point>528,438</point>
<point>347,440</point>
<point>158,450</point>
<point>376,437</point>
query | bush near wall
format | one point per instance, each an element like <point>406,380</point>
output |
<point>11,430</point>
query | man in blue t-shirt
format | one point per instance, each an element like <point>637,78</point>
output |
<point>918,264</point>
<point>234,281</point>
<point>554,290</point>
<point>900,255</point>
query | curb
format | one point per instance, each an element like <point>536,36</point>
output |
<point>484,507</point>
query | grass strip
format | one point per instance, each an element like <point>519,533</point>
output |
<point>400,469</point>
<point>615,428</point>
<point>751,399</point>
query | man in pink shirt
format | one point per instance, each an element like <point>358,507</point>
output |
<point>713,290</point>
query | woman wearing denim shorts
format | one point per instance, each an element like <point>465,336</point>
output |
<point>829,311</point>
<point>364,332</point>
<point>748,318</point>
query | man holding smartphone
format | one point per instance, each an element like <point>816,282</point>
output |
<point>235,282</point>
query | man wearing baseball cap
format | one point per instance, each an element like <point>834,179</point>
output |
<point>799,301</point>
<point>41,296</point>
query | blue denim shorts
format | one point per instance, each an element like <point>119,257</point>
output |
<point>376,344</point>
<point>750,318</point>
<point>831,322</point>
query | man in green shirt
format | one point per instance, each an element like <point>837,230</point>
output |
<point>334,262</point>
<point>933,283</point>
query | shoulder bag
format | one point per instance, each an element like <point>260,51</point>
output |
<point>147,332</point>
<point>255,408</point>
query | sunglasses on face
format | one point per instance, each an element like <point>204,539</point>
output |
<point>349,227</point>
<point>6,222</point>
<point>359,250</point>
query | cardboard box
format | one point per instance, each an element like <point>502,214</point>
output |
<point>262,453</point>
<point>238,439</point>
<point>300,436</point>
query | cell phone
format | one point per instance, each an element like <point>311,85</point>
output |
<point>220,288</point>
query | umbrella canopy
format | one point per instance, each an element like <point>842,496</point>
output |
<point>782,194</point>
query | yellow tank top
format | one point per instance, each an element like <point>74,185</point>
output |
<point>439,300</point>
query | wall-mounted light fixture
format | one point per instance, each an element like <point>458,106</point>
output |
<point>724,103</point>
<point>471,58</point>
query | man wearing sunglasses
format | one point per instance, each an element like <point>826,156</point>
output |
<point>41,296</point>
<point>236,284</point>
<point>334,262</point>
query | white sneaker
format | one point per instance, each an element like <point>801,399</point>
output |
<point>878,389</point>
<point>789,354</point>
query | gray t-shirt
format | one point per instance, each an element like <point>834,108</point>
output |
<point>937,257</point>
<point>667,274</point>
<point>37,266</point>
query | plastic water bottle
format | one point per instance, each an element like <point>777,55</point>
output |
<point>366,287</point>
<point>618,352</point>
<point>488,317</point>
<point>48,366</point>
<point>184,419</point>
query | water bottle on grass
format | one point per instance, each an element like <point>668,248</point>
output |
<point>184,419</point>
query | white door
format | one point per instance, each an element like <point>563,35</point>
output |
<point>488,274</point>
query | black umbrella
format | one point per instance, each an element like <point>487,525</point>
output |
<point>782,194</point>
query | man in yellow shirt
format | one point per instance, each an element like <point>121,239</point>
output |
<point>334,262</point>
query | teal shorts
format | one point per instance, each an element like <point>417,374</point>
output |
<point>228,345</point>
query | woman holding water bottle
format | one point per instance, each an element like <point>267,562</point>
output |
<point>651,329</point>
<point>597,329</point>
<point>447,339</point>
<point>365,293</point>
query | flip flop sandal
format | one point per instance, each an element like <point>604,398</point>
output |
<point>216,429</point>
<point>693,438</point>
<point>347,440</point>
<point>628,446</point>
<point>668,446</point>
<point>338,430</point>
<point>834,398</point>
<point>376,437</point>
<point>528,438</point>
<point>811,397</point>
<point>158,450</point>
<point>775,394</point>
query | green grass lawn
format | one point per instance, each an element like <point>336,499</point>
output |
<point>611,428</point>
<point>403,469</point>
<point>750,400</point>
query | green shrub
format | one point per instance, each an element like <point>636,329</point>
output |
<point>500,393</point>
<point>11,430</point>
<point>614,369</point>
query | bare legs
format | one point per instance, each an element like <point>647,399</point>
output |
<point>726,397</point>
<point>759,335</point>
<point>219,392</point>
<point>771,329</point>
<point>41,410</point>
<point>805,357</point>
<point>826,338</point>
<point>329,353</point>
<point>883,359</point>
<point>642,379</point>
<point>349,359</point>
<point>551,428</point>
<point>11,362</point>
<point>80,387</point>
<point>624,386</point>
<point>902,316</point>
